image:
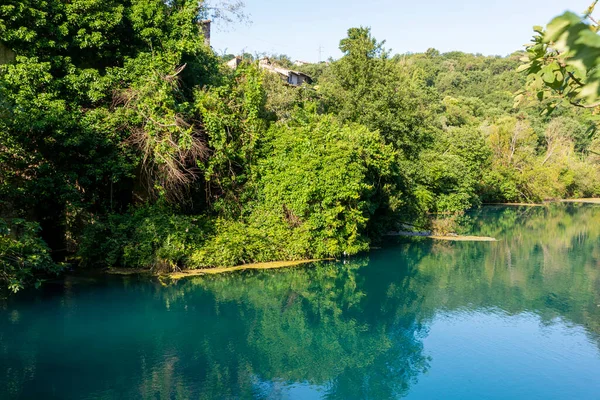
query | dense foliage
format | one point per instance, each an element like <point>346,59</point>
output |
<point>321,185</point>
<point>130,143</point>
<point>23,254</point>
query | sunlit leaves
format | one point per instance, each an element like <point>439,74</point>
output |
<point>562,61</point>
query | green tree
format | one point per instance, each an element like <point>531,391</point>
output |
<point>367,87</point>
<point>97,109</point>
<point>322,189</point>
<point>23,255</point>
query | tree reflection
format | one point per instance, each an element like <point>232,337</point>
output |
<point>310,326</point>
<point>350,329</point>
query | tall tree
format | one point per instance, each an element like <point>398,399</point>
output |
<point>366,86</point>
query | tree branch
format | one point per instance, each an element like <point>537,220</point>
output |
<point>593,105</point>
<point>577,81</point>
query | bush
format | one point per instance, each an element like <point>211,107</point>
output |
<point>321,187</point>
<point>149,236</point>
<point>319,190</point>
<point>238,242</point>
<point>450,174</point>
<point>24,256</point>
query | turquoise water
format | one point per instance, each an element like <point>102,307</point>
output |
<point>515,319</point>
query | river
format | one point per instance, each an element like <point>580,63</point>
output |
<point>418,319</point>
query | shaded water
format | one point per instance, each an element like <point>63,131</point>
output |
<point>516,319</point>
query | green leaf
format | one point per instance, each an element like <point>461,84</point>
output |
<point>518,100</point>
<point>548,74</point>
<point>540,95</point>
<point>589,39</point>
<point>559,25</point>
<point>549,109</point>
<point>590,91</point>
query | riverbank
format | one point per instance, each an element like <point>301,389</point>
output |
<point>585,200</point>
<point>220,270</point>
<point>589,200</point>
<point>517,204</point>
<point>174,276</point>
<point>450,237</point>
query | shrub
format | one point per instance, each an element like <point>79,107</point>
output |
<point>320,187</point>
<point>149,236</point>
<point>24,256</point>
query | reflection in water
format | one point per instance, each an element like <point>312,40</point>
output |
<point>365,328</point>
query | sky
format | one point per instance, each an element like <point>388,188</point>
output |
<point>310,30</point>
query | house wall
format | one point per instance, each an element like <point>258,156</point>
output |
<point>205,26</point>
<point>6,54</point>
<point>234,62</point>
<point>294,79</point>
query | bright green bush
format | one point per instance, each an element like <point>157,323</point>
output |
<point>242,242</point>
<point>450,174</point>
<point>320,187</point>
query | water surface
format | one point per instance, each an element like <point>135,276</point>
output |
<point>515,319</point>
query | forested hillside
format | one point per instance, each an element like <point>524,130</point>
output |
<point>126,142</point>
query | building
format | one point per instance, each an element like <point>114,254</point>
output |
<point>205,28</point>
<point>234,62</point>
<point>294,78</point>
<point>6,54</point>
<point>297,78</point>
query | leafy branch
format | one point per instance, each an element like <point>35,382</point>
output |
<point>563,59</point>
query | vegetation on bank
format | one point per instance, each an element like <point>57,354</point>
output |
<point>125,139</point>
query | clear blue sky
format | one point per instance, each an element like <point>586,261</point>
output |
<point>298,28</point>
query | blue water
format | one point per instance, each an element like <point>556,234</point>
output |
<point>514,319</point>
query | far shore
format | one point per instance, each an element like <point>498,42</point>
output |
<point>449,238</point>
<point>516,204</point>
<point>589,200</point>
